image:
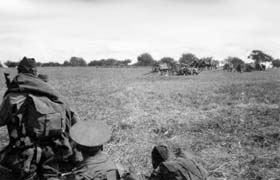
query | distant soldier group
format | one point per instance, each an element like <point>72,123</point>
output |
<point>175,69</point>
<point>47,141</point>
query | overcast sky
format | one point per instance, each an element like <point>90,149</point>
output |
<point>55,30</point>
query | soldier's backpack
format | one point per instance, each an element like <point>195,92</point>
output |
<point>37,133</point>
<point>182,169</point>
<point>45,118</point>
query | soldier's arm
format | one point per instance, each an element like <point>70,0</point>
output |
<point>72,116</point>
<point>129,176</point>
<point>155,175</point>
<point>75,118</point>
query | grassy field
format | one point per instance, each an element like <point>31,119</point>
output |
<point>229,122</point>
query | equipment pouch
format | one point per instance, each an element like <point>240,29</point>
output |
<point>45,118</point>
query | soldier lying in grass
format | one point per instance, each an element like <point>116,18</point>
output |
<point>181,168</point>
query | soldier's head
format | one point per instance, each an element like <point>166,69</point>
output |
<point>90,136</point>
<point>159,154</point>
<point>27,65</point>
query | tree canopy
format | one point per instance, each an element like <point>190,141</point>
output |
<point>235,61</point>
<point>207,60</point>
<point>127,62</point>
<point>167,60</point>
<point>276,63</point>
<point>75,61</point>
<point>259,56</point>
<point>66,63</point>
<point>49,64</point>
<point>145,59</point>
<point>109,62</point>
<point>188,59</point>
<point>11,64</point>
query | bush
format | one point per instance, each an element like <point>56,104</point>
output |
<point>50,64</point>
<point>188,59</point>
<point>145,59</point>
<point>75,61</point>
<point>11,64</point>
<point>109,62</point>
<point>235,61</point>
<point>276,63</point>
<point>167,60</point>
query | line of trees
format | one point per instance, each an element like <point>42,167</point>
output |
<point>109,62</point>
<point>258,58</point>
<point>189,59</point>
<point>146,59</point>
<point>75,61</point>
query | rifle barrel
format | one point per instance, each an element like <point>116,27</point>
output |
<point>8,81</point>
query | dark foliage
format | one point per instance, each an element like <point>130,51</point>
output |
<point>167,60</point>
<point>188,59</point>
<point>145,59</point>
<point>259,56</point>
<point>109,62</point>
<point>276,63</point>
<point>11,64</point>
<point>50,64</point>
<point>75,61</point>
<point>235,61</point>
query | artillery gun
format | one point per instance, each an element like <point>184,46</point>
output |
<point>175,69</point>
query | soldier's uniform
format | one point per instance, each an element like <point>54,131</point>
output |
<point>90,137</point>
<point>38,124</point>
<point>181,168</point>
<point>97,167</point>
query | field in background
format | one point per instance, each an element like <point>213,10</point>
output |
<point>228,121</point>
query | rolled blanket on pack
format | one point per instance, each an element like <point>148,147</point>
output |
<point>31,84</point>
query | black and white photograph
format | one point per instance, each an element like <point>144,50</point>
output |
<point>139,90</point>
